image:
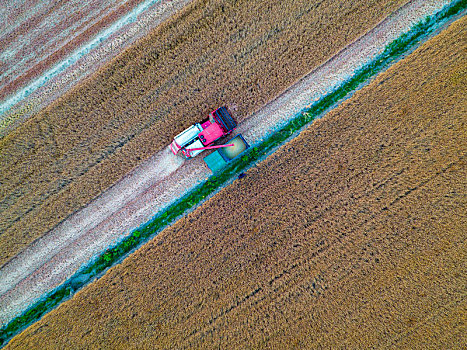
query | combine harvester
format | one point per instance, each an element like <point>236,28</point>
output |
<point>201,136</point>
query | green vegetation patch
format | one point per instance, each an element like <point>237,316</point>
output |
<point>141,235</point>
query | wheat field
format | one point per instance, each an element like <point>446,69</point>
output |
<point>213,53</point>
<point>352,235</point>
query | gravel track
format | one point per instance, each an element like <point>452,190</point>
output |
<point>163,178</point>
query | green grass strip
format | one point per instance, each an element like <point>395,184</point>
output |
<point>141,235</point>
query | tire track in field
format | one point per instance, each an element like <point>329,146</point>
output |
<point>455,304</point>
<point>295,277</point>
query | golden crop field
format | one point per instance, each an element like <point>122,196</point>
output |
<point>213,53</point>
<point>350,236</point>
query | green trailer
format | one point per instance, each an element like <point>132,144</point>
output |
<point>222,156</point>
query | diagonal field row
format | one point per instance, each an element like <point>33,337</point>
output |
<point>212,53</point>
<point>350,236</point>
<point>50,76</point>
<point>28,52</point>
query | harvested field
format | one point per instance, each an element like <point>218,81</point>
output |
<point>47,78</point>
<point>212,53</point>
<point>352,235</point>
<point>63,27</point>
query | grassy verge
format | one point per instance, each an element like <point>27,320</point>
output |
<point>147,231</point>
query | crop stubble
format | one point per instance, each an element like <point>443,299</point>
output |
<point>239,53</point>
<point>44,44</point>
<point>351,235</point>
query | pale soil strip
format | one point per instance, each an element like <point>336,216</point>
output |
<point>162,179</point>
<point>58,80</point>
<point>32,46</point>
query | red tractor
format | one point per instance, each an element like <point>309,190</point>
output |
<point>201,136</point>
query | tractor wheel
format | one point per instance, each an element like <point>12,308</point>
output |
<point>226,118</point>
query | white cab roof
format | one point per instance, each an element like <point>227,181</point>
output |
<point>188,135</point>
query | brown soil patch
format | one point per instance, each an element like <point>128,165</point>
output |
<point>350,236</point>
<point>45,39</point>
<point>240,53</point>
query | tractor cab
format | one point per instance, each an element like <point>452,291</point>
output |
<point>201,136</point>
